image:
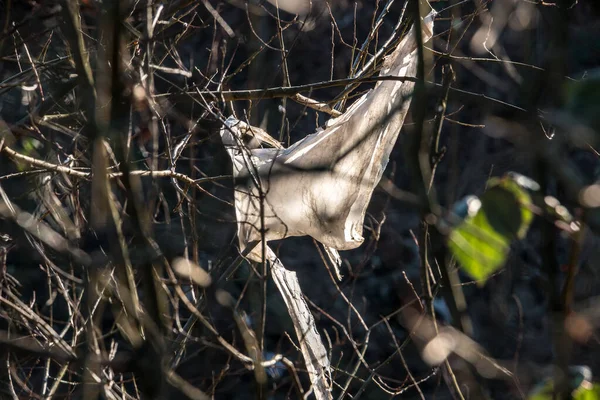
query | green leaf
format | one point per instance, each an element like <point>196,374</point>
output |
<point>481,242</point>
<point>585,390</point>
<point>30,146</point>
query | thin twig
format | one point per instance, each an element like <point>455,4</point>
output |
<point>113,175</point>
<point>278,92</point>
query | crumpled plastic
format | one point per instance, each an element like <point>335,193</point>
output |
<point>321,185</point>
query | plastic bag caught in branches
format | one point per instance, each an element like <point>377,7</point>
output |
<point>321,185</point>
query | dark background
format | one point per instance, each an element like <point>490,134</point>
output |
<point>510,313</point>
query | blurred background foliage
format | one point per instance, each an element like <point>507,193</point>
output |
<point>526,100</point>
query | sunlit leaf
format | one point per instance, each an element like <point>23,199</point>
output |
<point>587,393</point>
<point>478,247</point>
<point>29,148</point>
<point>482,241</point>
<point>580,382</point>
